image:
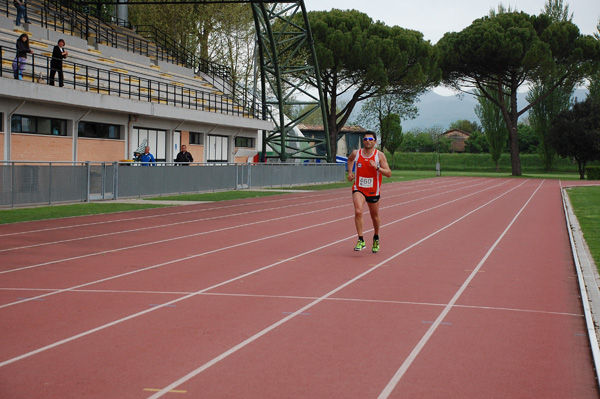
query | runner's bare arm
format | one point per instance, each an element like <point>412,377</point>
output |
<point>384,168</point>
<point>351,160</point>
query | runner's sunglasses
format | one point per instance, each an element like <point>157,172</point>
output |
<point>368,139</point>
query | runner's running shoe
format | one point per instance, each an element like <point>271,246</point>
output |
<point>360,245</point>
<point>375,248</point>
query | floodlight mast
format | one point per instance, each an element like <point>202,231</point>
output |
<point>279,47</point>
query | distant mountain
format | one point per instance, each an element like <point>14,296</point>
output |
<point>438,110</point>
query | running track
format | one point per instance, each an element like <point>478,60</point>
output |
<point>473,295</point>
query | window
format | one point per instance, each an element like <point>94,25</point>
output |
<point>99,130</point>
<point>247,142</point>
<point>38,125</point>
<point>196,138</point>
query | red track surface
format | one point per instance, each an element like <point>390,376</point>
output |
<point>473,295</point>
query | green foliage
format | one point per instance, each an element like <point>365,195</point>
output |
<point>547,106</point>
<point>498,54</point>
<point>376,109</point>
<point>465,126</point>
<point>391,129</point>
<point>592,172</point>
<point>476,162</point>
<point>367,58</point>
<point>477,144</point>
<point>528,140</point>
<point>576,133</point>
<point>541,114</point>
<point>494,126</point>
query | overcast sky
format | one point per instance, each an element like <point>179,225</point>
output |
<point>435,17</point>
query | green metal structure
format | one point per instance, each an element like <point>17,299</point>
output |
<point>284,46</point>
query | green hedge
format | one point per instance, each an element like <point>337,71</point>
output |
<point>530,163</point>
<point>592,172</point>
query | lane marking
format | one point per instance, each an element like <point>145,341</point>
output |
<point>535,311</point>
<point>236,245</point>
<point>421,344</point>
<point>156,390</point>
<point>141,313</point>
<point>201,220</point>
<point>265,331</point>
<point>431,322</point>
<point>169,214</point>
<point>216,231</point>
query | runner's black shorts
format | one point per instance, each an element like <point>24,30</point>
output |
<point>370,199</point>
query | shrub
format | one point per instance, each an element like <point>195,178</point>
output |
<point>593,172</point>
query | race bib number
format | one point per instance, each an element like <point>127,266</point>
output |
<point>365,182</point>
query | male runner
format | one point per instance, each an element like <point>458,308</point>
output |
<point>371,165</point>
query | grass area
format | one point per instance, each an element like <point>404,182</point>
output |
<point>217,196</point>
<point>62,211</point>
<point>586,205</point>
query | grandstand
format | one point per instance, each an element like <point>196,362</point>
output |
<point>122,88</point>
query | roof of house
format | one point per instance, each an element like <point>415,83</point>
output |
<point>456,131</point>
<point>345,129</point>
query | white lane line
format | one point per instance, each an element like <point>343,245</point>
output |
<point>169,214</point>
<point>304,309</point>
<point>242,295</point>
<point>150,243</point>
<point>421,344</point>
<point>138,229</point>
<point>165,214</point>
<point>231,246</point>
<point>75,337</point>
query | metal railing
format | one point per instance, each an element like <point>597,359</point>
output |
<point>69,17</point>
<point>37,183</point>
<point>105,81</point>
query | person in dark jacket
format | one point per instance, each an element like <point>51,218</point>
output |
<point>58,55</point>
<point>21,11</point>
<point>184,157</point>
<point>21,58</point>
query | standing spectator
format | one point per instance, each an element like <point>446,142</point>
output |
<point>147,158</point>
<point>21,58</point>
<point>21,11</point>
<point>184,157</point>
<point>58,54</point>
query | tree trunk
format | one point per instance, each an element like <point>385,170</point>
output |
<point>515,159</point>
<point>581,167</point>
<point>513,132</point>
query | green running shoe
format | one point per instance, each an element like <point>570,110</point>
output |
<point>360,245</point>
<point>375,248</point>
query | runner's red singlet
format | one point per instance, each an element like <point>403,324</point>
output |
<point>367,179</point>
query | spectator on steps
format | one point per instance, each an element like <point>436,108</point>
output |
<point>21,11</point>
<point>58,54</point>
<point>21,58</point>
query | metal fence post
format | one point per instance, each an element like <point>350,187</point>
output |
<point>50,183</point>
<point>88,185</point>
<point>13,190</point>
<point>116,181</point>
